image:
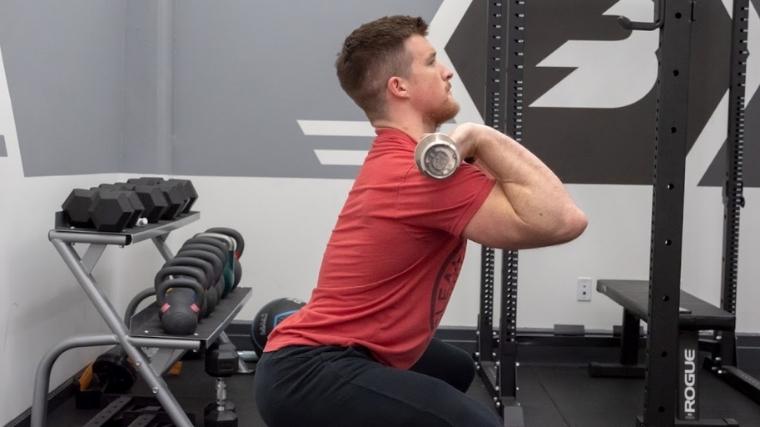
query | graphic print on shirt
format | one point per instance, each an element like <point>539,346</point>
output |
<point>444,283</point>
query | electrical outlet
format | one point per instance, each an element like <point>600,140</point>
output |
<point>585,285</point>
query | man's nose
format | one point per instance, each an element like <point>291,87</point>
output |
<point>447,74</point>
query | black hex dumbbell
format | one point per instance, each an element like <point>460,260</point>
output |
<point>152,198</point>
<point>188,190</point>
<point>76,208</point>
<point>134,200</point>
<point>110,211</point>
<point>221,362</point>
<point>180,194</point>
<point>146,180</point>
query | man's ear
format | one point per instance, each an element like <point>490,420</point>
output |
<point>397,87</point>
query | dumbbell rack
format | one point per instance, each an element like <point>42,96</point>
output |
<point>145,330</point>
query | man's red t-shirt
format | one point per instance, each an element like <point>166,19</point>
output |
<point>393,258</point>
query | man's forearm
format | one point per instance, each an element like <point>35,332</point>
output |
<point>536,194</point>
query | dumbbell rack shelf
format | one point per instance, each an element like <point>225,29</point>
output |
<point>146,323</point>
<point>164,349</point>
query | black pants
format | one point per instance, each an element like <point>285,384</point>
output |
<point>339,386</point>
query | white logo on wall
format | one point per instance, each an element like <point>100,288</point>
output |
<point>440,30</point>
<point>629,69</point>
<point>627,72</point>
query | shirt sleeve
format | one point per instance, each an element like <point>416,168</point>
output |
<point>448,204</point>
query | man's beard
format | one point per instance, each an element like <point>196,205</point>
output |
<point>444,113</point>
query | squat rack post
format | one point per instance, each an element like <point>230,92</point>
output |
<point>496,355</point>
<point>674,54</point>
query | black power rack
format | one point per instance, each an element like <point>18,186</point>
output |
<point>496,355</point>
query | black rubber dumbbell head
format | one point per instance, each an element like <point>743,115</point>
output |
<point>154,201</point>
<point>76,208</point>
<point>134,200</point>
<point>146,180</point>
<point>152,198</point>
<point>175,196</point>
<point>114,370</point>
<point>111,211</point>
<point>190,194</point>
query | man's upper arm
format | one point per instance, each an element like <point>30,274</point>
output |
<point>497,225</point>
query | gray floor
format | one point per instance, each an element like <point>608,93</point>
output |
<point>551,396</point>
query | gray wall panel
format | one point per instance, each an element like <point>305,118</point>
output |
<point>3,150</point>
<point>245,73</point>
<point>192,88</point>
<point>147,138</point>
<point>65,65</point>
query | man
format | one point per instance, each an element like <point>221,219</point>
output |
<point>361,352</point>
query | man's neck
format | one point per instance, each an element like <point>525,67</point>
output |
<point>414,128</point>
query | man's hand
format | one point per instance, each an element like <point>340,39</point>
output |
<point>465,135</point>
<point>468,137</point>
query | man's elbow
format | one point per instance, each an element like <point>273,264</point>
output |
<point>572,225</point>
<point>564,228</point>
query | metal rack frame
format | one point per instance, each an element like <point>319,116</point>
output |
<point>672,348</point>
<point>674,57</point>
<point>496,355</point>
<point>150,368</point>
<point>723,361</point>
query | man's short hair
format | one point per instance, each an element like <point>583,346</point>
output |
<point>371,55</point>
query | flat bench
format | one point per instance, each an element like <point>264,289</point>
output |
<point>694,315</point>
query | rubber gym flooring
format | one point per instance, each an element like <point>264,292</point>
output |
<point>551,394</point>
